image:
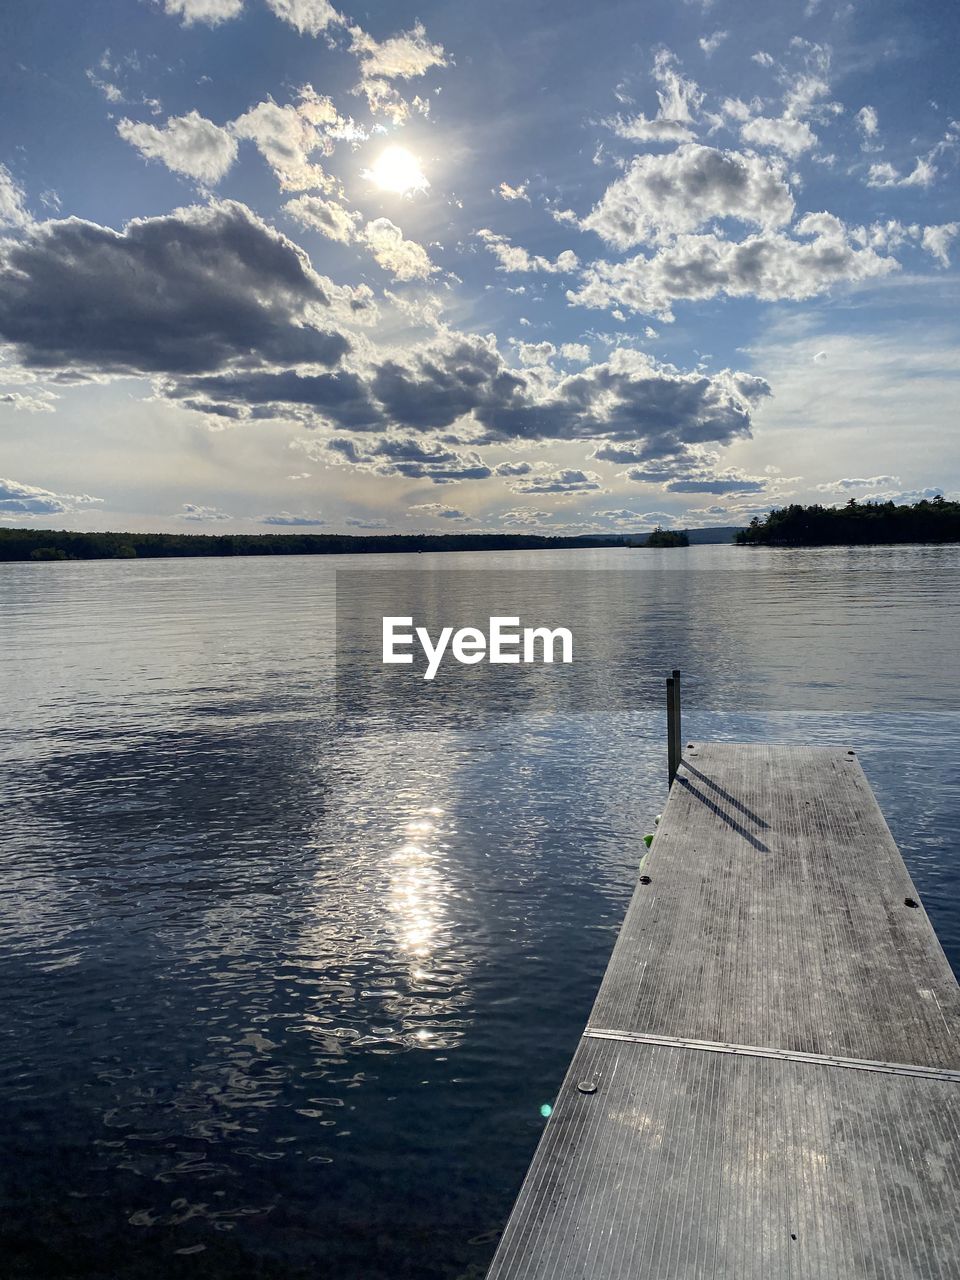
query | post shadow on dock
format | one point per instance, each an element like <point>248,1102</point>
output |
<point>773,1058</point>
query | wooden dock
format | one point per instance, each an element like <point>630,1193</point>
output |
<point>769,1082</point>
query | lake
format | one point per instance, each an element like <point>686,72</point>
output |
<point>286,980</point>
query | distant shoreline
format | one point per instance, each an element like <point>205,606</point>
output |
<point>64,544</point>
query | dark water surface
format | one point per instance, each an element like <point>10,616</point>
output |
<point>283,991</point>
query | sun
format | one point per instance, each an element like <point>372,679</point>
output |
<point>396,169</point>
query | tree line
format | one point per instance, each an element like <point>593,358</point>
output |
<point>857,523</point>
<point>63,544</point>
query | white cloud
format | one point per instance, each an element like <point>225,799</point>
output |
<point>937,240</point>
<point>287,136</point>
<point>211,12</point>
<point>13,212</point>
<point>39,401</point>
<point>771,265</point>
<point>710,44</point>
<point>403,57</point>
<point>680,99</point>
<point>191,511</point>
<point>506,192</point>
<point>405,259</point>
<point>578,351</point>
<point>867,121</point>
<point>438,510</point>
<point>524,517</point>
<point>923,174</point>
<point>289,518</point>
<point>110,91</point>
<point>309,17</point>
<point>325,216</point>
<point>514,258</point>
<point>785,134</point>
<point>663,195</point>
<point>534,353</point>
<point>870,482</point>
<point>190,144</point>
<point>27,500</point>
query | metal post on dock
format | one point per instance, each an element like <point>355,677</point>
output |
<point>673,725</point>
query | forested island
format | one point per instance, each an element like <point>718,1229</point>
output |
<point>856,524</point>
<point>64,544</point>
<point>668,538</point>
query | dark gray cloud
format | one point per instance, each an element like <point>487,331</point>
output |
<point>404,456</point>
<point>560,480</point>
<point>194,291</point>
<point>340,396</point>
<point>235,317</point>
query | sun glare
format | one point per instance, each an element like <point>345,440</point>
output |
<point>398,170</point>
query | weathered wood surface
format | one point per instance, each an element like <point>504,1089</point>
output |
<point>775,919</point>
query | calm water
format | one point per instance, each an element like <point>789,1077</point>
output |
<point>283,991</point>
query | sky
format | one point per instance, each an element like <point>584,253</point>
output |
<point>269,265</point>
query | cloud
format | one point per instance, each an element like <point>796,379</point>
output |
<point>27,500</point>
<point>577,351</point>
<point>710,44</point>
<point>666,194</point>
<point>506,192</point>
<point>400,456</point>
<point>513,258</point>
<point>533,353</point>
<point>792,137</point>
<point>524,517</point>
<point>770,266</point>
<point>871,482</point>
<point>729,481</point>
<point>937,241</point>
<point>680,99</point>
<point>285,518</point>
<point>513,469</point>
<point>867,121</point>
<point>196,290</point>
<point>326,216</point>
<point>462,379</point>
<point>287,136</point>
<point>439,511</point>
<point>233,313</point>
<point>37,402</point>
<point>404,259</point>
<point>923,174</point>
<point>558,480</point>
<point>211,12</point>
<point>191,511</point>
<point>361,522</point>
<point>190,144</point>
<point>402,57</point>
<point>13,212</point>
<point>309,17</point>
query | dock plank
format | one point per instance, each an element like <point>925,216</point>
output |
<point>774,917</point>
<point>686,1163</point>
